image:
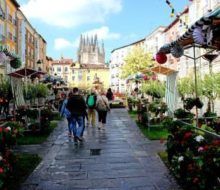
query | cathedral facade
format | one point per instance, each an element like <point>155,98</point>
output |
<point>90,51</point>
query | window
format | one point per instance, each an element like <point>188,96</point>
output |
<point>73,77</point>
<point>66,78</point>
<point>79,77</point>
<point>66,69</point>
<point>88,78</point>
<point>72,71</point>
<point>58,69</point>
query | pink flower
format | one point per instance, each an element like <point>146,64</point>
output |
<point>1,170</point>
<point>195,180</point>
<point>200,149</point>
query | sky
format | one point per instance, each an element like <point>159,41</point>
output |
<point>116,22</point>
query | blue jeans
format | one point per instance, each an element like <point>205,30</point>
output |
<point>76,119</point>
<point>69,125</point>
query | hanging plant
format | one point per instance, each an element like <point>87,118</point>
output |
<point>189,103</point>
<point>198,103</point>
<point>15,63</point>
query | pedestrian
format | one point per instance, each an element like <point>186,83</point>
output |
<point>102,106</point>
<point>77,107</point>
<point>85,116</point>
<point>64,112</point>
<point>109,95</point>
<point>91,104</point>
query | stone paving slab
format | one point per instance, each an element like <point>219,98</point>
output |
<point>127,159</point>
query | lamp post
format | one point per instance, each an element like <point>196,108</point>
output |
<point>210,58</point>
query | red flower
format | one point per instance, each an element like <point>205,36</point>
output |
<point>190,167</point>
<point>206,147</point>
<point>216,142</point>
<point>187,135</point>
<point>1,170</point>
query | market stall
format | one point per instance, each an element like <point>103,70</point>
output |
<point>204,33</point>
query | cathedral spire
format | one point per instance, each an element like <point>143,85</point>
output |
<point>81,43</point>
<point>103,48</point>
<point>95,41</point>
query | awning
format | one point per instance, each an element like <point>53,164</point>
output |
<point>163,70</point>
<point>204,32</point>
<point>26,72</point>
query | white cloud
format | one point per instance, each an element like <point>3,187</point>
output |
<point>70,13</point>
<point>103,33</point>
<point>61,43</point>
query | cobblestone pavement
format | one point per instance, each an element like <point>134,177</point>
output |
<point>117,157</point>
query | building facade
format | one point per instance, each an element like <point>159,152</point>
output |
<point>8,30</point>
<point>117,61</point>
<point>80,75</point>
<point>171,33</point>
<point>19,37</point>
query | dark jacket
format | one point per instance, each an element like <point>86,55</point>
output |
<point>76,105</point>
<point>109,95</point>
<point>95,98</point>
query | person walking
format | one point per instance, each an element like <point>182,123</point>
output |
<point>64,112</point>
<point>77,107</point>
<point>102,106</point>
<point>109,95</point>
<point>85,116</point>
<point>91,104</point>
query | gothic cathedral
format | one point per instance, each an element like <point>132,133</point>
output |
<point>90,52</point>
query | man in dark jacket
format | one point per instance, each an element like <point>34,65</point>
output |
<point>77,107</point>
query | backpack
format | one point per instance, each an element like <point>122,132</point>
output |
<point>91,101</point>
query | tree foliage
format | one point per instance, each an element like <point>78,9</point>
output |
<point>186,86</point>
<point>136,61</point>
<point>154,88</point>
<point>211,88</point>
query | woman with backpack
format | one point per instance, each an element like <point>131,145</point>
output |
<point>102,106</point>
<point>91,104</point>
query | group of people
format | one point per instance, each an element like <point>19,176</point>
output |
<point>77,109</point>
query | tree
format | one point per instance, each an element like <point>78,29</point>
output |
<point>186,86</point>
<point>136,61</point>
<point>211,88</point>
<point>154,88</point>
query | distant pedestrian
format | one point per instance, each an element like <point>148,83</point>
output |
<point>85,116</point>
<point>102,106</point>
<point>109,95</point>
<point>66,113</point>
<point>77,107</point>
<point>91,104</point>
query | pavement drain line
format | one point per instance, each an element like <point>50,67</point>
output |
<point>95,152</point>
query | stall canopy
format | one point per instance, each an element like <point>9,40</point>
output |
<point>26,72</point>
<point>204,32</point>
<point>163,70</point>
